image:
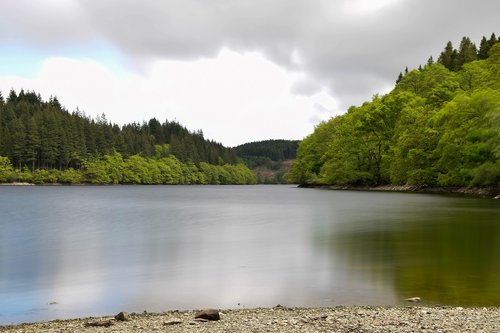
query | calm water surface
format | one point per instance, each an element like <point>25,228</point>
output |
<point>101,250</point>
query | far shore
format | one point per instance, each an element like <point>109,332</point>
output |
<point>480,192</point>
<point>282,319</point>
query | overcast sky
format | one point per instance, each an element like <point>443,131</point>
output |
<point>240,70</point>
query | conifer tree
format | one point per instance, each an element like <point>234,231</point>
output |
<point>400,77</point>
<point>448,57</point>
<point>32,146</point>
<point>467,52</point>
<point>484,47</point>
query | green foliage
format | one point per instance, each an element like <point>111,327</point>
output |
<point>6,170</point>
<point>42,176</point>
<point>113,169</point>
<point>42,135</point>
<point>70,176</point>
<point>436,127</point>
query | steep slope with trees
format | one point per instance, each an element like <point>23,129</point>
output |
<point>439,126</point>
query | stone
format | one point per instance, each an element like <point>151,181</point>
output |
<point>201,320</point>
<point>413,299</point>
<point>100,323</point>
<point>209,314</point>
<point>174,321</point>
<point>122,316</point>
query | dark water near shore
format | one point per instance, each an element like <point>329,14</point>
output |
<point>101,250</point>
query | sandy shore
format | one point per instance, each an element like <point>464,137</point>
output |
<point>280,319</point>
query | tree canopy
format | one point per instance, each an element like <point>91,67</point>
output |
<point>439,126</point>
<point>41,142</point>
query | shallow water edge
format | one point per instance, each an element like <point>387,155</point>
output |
<point>478,192</point>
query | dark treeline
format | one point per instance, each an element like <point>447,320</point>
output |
<point>274,150</point>
<point>41,134</point>
<point>440,126</point>
<point>268,159</point>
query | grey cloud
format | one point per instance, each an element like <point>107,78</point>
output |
<point>353,54</point>
<point>320,108</point>
<point>306,86</point>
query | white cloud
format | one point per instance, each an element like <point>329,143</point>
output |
<point>234,98</point>
<point>348,49</point>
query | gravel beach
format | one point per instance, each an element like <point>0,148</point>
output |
<point>281,319</point>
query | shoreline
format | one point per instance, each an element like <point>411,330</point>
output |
<point>490,192</point>
<point>477,192</point>
<point>412,318</point>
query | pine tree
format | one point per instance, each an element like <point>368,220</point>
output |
<point>32,146</point>
<point>484,47</point>
<point>448,57</point>
<point>18,142</point>
<point>493,39</point>
<point>467,52</point>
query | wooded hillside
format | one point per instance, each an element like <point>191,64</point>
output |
<point>41,142</point>
<point>440,125</point>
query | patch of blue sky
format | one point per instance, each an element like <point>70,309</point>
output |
<point>26,61</point>
<point>16,60</point>
<point>101,52</point>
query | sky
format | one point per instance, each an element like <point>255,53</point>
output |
<point>240,70</point>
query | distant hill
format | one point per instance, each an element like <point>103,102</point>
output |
<point>269,159</point>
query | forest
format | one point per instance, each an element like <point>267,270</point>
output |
<point>41,142</point>
<point>269,160</point>
<point>439,126</point>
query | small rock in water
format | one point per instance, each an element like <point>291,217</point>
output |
<point>122,316</point>
<point>209,314</point>
<point>413,299</point>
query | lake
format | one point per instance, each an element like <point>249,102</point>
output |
<point>73,251</point>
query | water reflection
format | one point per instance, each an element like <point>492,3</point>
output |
<point>101,250</point>
<point>446,251</point>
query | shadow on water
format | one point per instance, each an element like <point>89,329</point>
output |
<point>446,252</point>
